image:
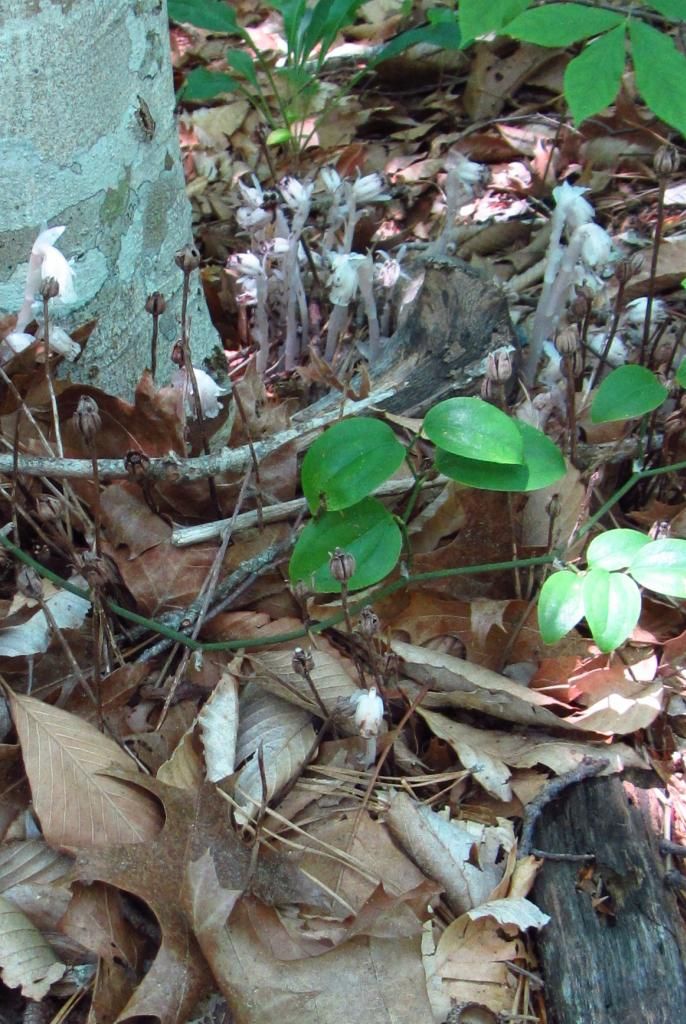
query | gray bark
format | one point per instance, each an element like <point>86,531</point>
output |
<point>77,149</point>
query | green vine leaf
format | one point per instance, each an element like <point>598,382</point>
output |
<point>615,549</point>
<point>660,73</point>
<point>592,80</point>
<point>661,566</point>
<point>560,605</point>
<point>473,429</point>
<point>562,24</point>
<point>542,464</point>
<point>612,605</point>
<point>627,392</point>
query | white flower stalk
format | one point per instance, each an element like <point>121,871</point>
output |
<point>635,313</point>
<point>368,713</point>
<point>463,179</point>
<point>254,291</point>
<point>588,242</point>
<point>60,342</point>
<point>365,280</point>
<point>343,282</point>
<point>45,261</point>
<point>208,389</point>
<point>330,179</point>
<point>370,189</point>
<point>298,198</point>
<point>296,195</point>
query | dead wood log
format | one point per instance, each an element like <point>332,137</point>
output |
<point>613,952</point>
<point>452,317</point>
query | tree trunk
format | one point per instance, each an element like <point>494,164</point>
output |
<point>88,140</point>
<point>613,950</point>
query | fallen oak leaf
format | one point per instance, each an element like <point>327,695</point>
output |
<point>195,823</point>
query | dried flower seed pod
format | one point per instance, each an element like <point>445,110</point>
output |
<point>49,288</point>
<point>29,583</point>
<point>48,508</point>
<point>370,624</point>
<point>499,366</point>
<point>177,354</point>
<point>302,662</point>
<point>136,465</point>
<point>567,341</point>
<point>87,418</point>
<point>627,268</point>
<point>665,161</point>
<point>342,565</point>
<point>155,304</point>
<point>187,259</point>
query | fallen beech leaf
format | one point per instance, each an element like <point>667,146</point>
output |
<point>489,754</point>
<point>218,723</point>
<point>336,686</point>
<point>469,965</point>
<point>77,804</point>
<point>360,981</point>
<point>464,856</point>
<point>518,913</point>
<point>26,958</point>
<point>33,636</point>
<point>285,736</point>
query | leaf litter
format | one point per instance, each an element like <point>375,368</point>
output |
<point>218,824</point>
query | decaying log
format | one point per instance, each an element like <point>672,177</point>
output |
<point>452,317</point>
<point>613,952</point>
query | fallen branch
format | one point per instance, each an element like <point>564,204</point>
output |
<point>173,467</point>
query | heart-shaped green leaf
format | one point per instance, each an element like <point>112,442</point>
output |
<point>473,429</point>
<point>560,605</point>
<point>612,605</point>
<point>661,566</point>
<point>627,392</point>
<point>615,549</point>
<point>367,531</point>
<point>348,462</point>
<point>543,464</point>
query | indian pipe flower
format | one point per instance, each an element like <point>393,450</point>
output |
<point>46,262</point>
<point>369,713</point>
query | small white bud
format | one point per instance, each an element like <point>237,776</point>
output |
<point>208,390</point>
<point>370,189</point>
<point>596,245</point>
<point>369,713</point>
<point>330,179</point>
<point>343,279</point>
<point>575,209</point>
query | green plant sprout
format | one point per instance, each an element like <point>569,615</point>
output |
<point>310,31</point>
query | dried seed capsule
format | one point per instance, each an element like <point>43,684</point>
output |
<point>29,583</point>
<point>155,304</point>
<point>136,465</point>
<point>49,288</point>
<point>370,623</point>
<point>499,366</point>
<point>665,161</point>
<point>627,268</point>
<point>302,662</point>
<point>87,418</point>
<point>567,341</point>
<point>177,354</point>
<point>342,565</point>
<point>187,259</point>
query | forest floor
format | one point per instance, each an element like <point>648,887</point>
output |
<point>230,794</point>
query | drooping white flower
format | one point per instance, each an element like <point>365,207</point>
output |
<point>250,218</point>
<point>17,341</point>
<point>46,261</point>
<point>60,342</point>
<point>295,194</point>
<point>208,390</point>
<point>343,280</point>
<point>635,312</point>
<point>330,179</point>
<point>368,713</point>
<point>465,171</point>
<point>596,245</point>
<point>569,200</point>
<point>370,189</point>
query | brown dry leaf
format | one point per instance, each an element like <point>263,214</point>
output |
<point>195,825</point>
<point>469,965</point>
<point>464,856</point>
<point>536,517</point>
<point>31,860</point>
<point>489,754</point>
<point>218,721</point>
<point>26,958</point>
<point>332,676</point>
<point>621,715</point>
<point>362,980</point>
<point>129,521</point>
<point>77,804</point>
<point>164,576</point>
<point>184,769</point>
<point>96,920</point>
<point>494,78</point>
<point>463,684</point>
<point>286,738</point>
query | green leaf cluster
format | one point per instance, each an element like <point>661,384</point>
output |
<point>607,594</point>
<point>476,444</point>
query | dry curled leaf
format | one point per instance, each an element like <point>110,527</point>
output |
<point>26,958</point>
